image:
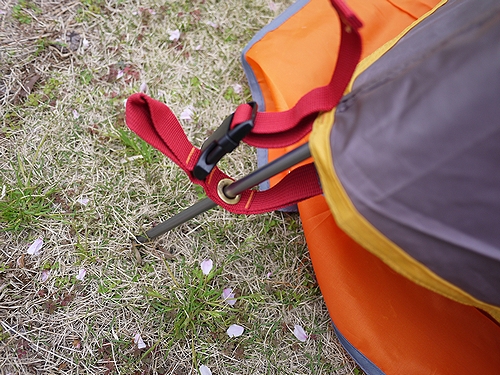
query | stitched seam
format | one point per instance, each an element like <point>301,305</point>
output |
<point>252,193</point>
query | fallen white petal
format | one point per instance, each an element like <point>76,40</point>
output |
<point>228,296</point>
<point>139,342</point>
<point>35,247</point>
<point>213,24</point>
<point>204,370</point>
<point>120,74</point>
<point>272,6</point>
<point>77,344</point>
<point>269,274</point>
<point>75,114</point>
<point>3,11</point>
<point>85,43</point>
<point>45,275</point>
<point>187,114</point>
<point>237,88</point>
<point>299,333</point>
<point>206,266</point>
<point>131,158</point>
<point>81,274</point>
<point>174,35</point>
<point>144,87</point>
<point>198,47</point>
<point>83,201</point>
<point>235,330</point>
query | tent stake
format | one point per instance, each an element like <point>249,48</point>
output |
<point>262,174</point>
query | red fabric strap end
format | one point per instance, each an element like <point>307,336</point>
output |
<point>155,123</point>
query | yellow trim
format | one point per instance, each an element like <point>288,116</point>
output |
<point>370,59</point>
<point>356,226</point>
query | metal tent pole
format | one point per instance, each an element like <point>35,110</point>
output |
<point>262,174</point>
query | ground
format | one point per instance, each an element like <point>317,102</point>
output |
<point>77,183</point>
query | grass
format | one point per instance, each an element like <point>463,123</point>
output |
<point>67,68</point>
<point>22,11</point>
<point>23,207</point>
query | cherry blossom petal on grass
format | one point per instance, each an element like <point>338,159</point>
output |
<point>237,88</point>
<point>138,341</point>
<point>204,370</point>
<point>174,35</point>
<point>299,333</point>
<point>81,274</point>
<point>187,114</point>
<point>144,88</point>
<point>45,275</point>
<point>235,330</point>
<point>77,344</point>
<point>206,266</point>
<point>83,201</point>
<point>213,24</point>
<point>228,296</point>
<point>35,247</point>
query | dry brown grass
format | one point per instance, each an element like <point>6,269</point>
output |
<point>63,138</point>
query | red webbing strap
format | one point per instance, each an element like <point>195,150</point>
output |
<point>155,123</point>
<point>280,129</point>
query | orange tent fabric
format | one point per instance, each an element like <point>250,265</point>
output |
<point>422,332</point>
<point>307,61</point>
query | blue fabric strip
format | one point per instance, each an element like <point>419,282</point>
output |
<point>262,159</point>
<point>368,366</point>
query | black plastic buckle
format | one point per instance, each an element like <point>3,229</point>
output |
<point>222,142</point>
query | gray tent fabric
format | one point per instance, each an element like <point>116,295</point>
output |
<point>416,145</point>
